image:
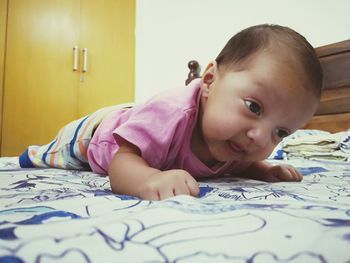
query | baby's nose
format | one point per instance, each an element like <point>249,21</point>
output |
<point>261,136</point>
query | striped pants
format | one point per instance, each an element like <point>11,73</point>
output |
<point>69,149</point>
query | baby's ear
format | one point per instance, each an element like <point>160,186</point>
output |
<point>208,77</point>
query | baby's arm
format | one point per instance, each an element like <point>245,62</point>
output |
<point>265,171</point>
<point>130,174</point>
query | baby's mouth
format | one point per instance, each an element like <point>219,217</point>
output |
<point>236,148</point>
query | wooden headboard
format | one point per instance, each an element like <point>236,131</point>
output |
<point>333,113</point>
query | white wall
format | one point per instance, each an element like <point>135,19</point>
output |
<point>169,33</point>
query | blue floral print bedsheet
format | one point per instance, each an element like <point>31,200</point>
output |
<point>51,215</point>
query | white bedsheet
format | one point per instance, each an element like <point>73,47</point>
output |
<point>50,215</point>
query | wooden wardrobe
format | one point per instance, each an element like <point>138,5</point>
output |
<point>63,60</point>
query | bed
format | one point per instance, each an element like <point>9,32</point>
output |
<point>52,215</point>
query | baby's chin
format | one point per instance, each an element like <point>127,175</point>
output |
<point>248,158</point>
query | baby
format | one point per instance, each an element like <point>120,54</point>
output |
<point>263,86</point>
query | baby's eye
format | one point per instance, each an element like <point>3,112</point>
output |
<point>253,107</point>
<point>282,133</point>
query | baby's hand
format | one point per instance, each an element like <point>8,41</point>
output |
<point>282,172</point>
<point>265,171</point>
<point>169,183</point>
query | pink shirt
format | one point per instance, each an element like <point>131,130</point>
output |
<point>161,128</point>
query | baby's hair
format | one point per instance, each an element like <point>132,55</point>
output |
<point>253,39</point>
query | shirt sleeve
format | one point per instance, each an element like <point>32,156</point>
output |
<point>153,128</point>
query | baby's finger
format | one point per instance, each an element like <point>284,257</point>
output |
<point>166,193</point>
<point>182,189</point>
<point>295,174</point>
<point>286,174</point>
<point>192,186</point>
<point>278,173</point>
<point>152,195</point>
<point>289,173</point>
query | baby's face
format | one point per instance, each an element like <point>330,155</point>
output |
<point>246,113</point>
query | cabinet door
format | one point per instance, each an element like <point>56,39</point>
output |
<point>107,31</point>
<point>3,15</point>
<point>40,90</point>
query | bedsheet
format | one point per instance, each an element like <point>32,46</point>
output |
<point>52,215</point>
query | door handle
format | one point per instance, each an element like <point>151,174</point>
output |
<point>76,58</point>
<point>85,61</point>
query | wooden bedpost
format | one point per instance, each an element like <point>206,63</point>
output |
<point>193,65</point>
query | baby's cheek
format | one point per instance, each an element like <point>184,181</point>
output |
<point>268,150</point>
<point>217,127</point>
